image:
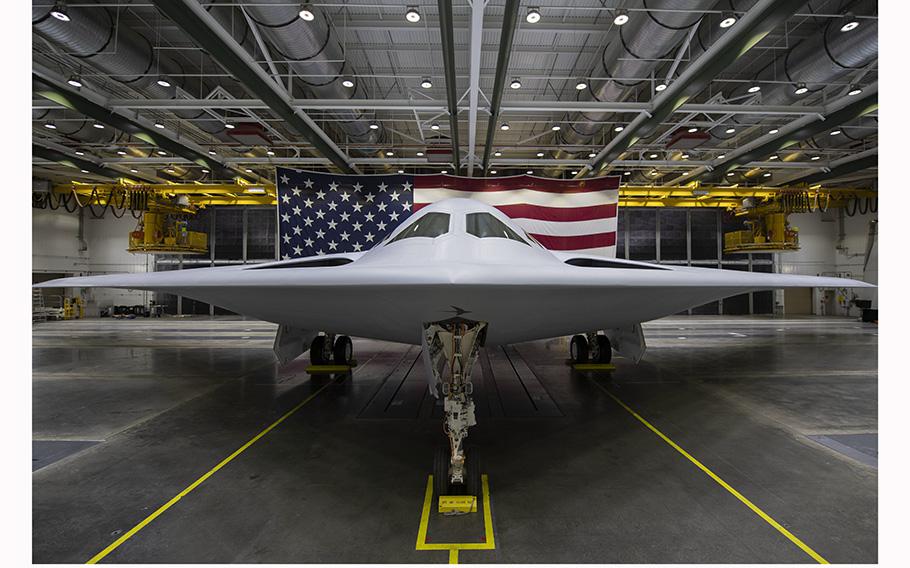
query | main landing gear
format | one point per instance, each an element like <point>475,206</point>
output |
<point>590,347</point>
<point>450,351</point>
<point>329,348</point>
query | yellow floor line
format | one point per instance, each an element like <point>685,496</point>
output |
<point>454,547</point>
<point>130,533</point>
<point>764,516</point>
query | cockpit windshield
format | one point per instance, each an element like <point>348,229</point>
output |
<point>430,225</point>
<point>484,225</point>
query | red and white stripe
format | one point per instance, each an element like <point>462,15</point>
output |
<point>563,215</point>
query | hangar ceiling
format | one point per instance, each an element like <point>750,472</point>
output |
<point>178,90</point>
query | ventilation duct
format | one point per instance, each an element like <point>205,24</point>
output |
<point>314,51</point>
<point>94,36</point>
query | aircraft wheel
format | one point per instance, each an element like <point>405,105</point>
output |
<point>578,349</point>
<point>441,471</point>
<point>472,475</point>
<point>344,350</point>
<point>604,349</point>
<point>317,348</point>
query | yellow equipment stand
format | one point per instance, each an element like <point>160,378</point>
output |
<point>457,504</point>
<point>328,369</point>
<point>593,366</point>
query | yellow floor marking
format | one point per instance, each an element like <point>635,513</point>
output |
<point>129,534</point>
<point>767,518</point>
<point>454,547</point>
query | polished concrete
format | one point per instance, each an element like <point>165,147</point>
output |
<point>127,414</point>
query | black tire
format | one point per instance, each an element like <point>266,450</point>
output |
<point>604,349</point>
<point>317,347</point>
<point>472,475</point>
<point>441,472</point>
<point>578,349</point>
<point>343,350</point>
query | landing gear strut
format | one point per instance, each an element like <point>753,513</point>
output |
<point>450,351</point>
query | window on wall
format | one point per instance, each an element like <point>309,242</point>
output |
<point>673,234</point>
<point>642,234</point>
<point>260,234</point>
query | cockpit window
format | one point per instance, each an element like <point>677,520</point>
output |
<point>484,225</point>
<point>430,225</point>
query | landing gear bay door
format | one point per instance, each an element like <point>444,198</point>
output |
<point>628,341</point>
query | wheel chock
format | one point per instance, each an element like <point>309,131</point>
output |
<point>594,366</point>
<point>328,369</point>
<point>457,504</point>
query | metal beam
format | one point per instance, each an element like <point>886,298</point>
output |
<point>509,23</point>
<point>764,16</point>
<point>840,168</point>
<point>448,57</point>
<point>76,162</point>
<point>208,34</point>
<point>95,106</point>
<point>474,80</point>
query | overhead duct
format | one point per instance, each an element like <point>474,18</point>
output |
<point>93,35</point>
<point>314,51</point>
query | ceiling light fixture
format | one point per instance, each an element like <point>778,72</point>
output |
<point>652,156</point>
<point>420,154</point>
<point>74,81</point>
<point>504,126</point>
<point>813,158</point>
<point>170,171</point>
<point>721,157</point>
<point>445,171</point>
<point>134,171</point>
<point>533,15</point>
<point>516,83</point>
<point>497,153</point>
<point>259,190</point>
<point>159,125</point>
<point>162,153</point>
<point>205,171</point>
<point>766,174</point>
<point>731,173</point>
<point>580,84</point>
<point>347,82</point>
<point>693,129</point>
<point>621,17</point>
<point>774,157</point>
<point>212,153</point>
<point>98,125</point>
<point>401,171</point>
<point>426,83</point>
<point>79,153</point>
<point>728,19</point>
<point>801,89</point>
<point>773,131</point>
<point>59,12</point>
<point>229,126</point>
<point>434,126</point>
<point>730,130</point>
<point>374,126</point>
<point>389,153</point>
<point>660,87</point>
<point>269,153</point>
<point>834,132</point>
<point>121,152</point>
<point>685,156</point>
<point>412,15</point>
<point>530,172</point>
<point>854,90</point>
<point>493,172</point>
<point>248,170</point>
<point>592,155</point>
<point>50,125</point>
<point>754,88</point>
<point>83,171</point>
<point>555,128</point>
<point>162,81</point>
<point>574,172</point>
<point>619,128</point>
<point>850,23</point>
<point>306,13</point>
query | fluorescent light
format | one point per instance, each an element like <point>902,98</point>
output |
<point>721,157</point>
<point>98,125</point>
<point>121,152</point>
<point>813,158</point>
<point>434,126</point>
<point>445,171</point>
<point>159,125</point>
<point>504,126</point>
<point>306,13</point>
<point>50,125</point>
<point>660,87</point>
<point>412,15</point>
<point>212,153</point>
<point>619,128</point>
<point>834,132</point>
<point>426,83</point>
<point>74,81</point>
<point>259,190</point>
<point>389,153</point>
<point>754,88</point>
<point>773,131</point>
<point>134,171</point>
<point>229,126</point>
<point>269,153</point>
<point>162,153</point>
<point>83,171</point>
<point>801,89</point>
<point>693,129</point>
<point>80,153</point>
<point>685,156</point>
<point>205,171</point>
<point>555,128</point>
<point>581,84</point>
<point>774,157</point>
<point>728,20</point>
<point>766,174</point>
<point>652,156</point>
<point>627,173</point>
<point>540,154</point>
<point>516,83</point>
<point>420,153</point>
<point>621,18</point>
<point>497,153</point>
<point>533,15</point>
<point>573,172</point>
<point>854,90</point>
<point>730,130</point>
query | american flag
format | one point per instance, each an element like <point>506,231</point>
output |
<point>327,213</point>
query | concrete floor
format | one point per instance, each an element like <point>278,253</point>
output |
<point>127,414</point>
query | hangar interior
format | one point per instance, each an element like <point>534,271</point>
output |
<point>184,108</point>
